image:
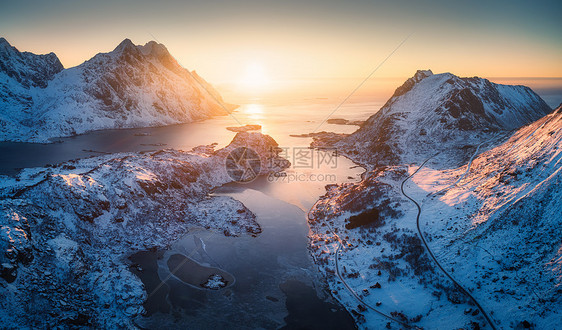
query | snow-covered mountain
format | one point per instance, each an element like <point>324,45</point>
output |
<point>435,112</point>
<point>28,69</point>
<point>489,215</point>
<point>498,223</point>
<point>20,75</point>
<point>131,86</point>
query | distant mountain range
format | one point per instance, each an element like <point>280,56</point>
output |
<point>131,86</point>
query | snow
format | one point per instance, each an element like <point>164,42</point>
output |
<point>441,112</point>
<point>404,288</point>
<point>490,210</point>
<point>215,282</point>
<point>132,86</point>
<point>79,225</point>
<point>507,229</point>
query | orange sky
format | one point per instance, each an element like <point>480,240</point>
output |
<point>304,39</point>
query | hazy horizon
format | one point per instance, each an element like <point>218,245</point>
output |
<point>272,41</point>
<point>377,89</point>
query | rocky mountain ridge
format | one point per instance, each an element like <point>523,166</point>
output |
<point>441,112</point>
<point>131,86</point>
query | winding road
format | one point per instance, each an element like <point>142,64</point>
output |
<point>351,291</point>
<point>457,284</point>
<point>488,319</point>
<point>356,296</point>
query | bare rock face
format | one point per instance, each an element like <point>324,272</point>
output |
<point>15,245</point>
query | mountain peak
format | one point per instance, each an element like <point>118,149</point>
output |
<point>432,112</point>
<point>154,48</point>
<point>125,45</point>
<point>4,44</point>
<point>130,86</point>
<point>409,84</point>
<point>421,74</point>
<point>26,68</point>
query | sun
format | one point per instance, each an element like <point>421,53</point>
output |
<point>254,76</point>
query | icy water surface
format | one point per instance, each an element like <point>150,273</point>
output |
<point>268,281</point>
<point>276,284</point>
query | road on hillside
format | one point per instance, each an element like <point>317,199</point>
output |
<point>431,253</point>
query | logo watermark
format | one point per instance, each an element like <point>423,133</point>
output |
<point>307,158</point>
<point>243,165</point>
<point>285,177</point>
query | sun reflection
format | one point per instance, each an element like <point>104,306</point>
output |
<point>254,115</point>
<point>253,109</point>
<point>254,112</point>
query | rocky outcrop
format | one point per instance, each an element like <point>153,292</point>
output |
<point>66,230</point>
<point>15,245</point>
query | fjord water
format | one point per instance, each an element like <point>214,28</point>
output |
<point>276,120</point>
<point>275,281</point>
<point>299,109</point>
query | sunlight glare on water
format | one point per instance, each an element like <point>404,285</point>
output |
<point>254,111</point>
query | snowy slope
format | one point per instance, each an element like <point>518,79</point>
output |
<point>384,262</point>
<point>66,231</point>
<point>499,226</point>
<point>20,74</point>
<point>489,210</point>
<point>131,86</point>
<point>436,112</point>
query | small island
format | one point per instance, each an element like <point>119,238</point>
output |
<point>245,128</point>
<point>341,121</point>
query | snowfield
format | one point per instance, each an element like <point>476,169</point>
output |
<point>490,211</point>
<point>504,242</point>
<point>131,86</point>
<point>66,231</point>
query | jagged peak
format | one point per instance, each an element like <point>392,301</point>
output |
<point>7,47</point>
<point>154,48</point>
<point>411,82</point>
<point>421,74</point>
<point>4,44</point>
<point>125,45</point>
